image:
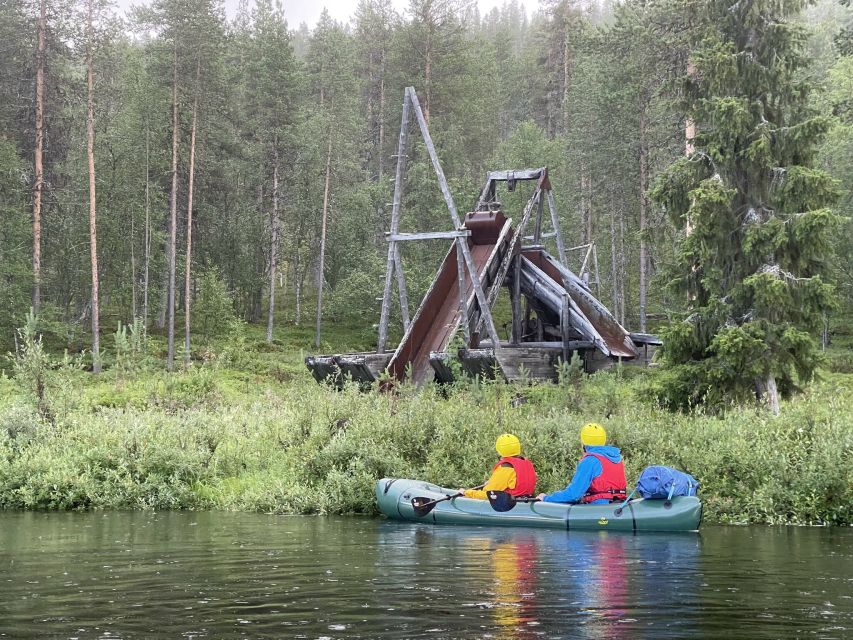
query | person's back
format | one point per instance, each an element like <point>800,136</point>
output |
<point>512,472</point>
<point>600,474</point>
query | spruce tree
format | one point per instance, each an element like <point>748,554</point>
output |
<point>753,210</point>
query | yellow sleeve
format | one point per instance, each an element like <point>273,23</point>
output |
<point>503,478</point>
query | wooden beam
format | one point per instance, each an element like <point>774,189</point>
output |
<point>515,174</point>
<point>516,301</point>
<point>436,165</point>
<point>485,310</point>
<point>543,236</point>
<point>427,235</point>
<point>537,228</point>
<point>463,294</point>
<point>555,224</point>
<point>395,221</point>
<point>401,287</point>
<point>565,326</point>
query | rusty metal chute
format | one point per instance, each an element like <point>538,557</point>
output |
<point>486,254</point>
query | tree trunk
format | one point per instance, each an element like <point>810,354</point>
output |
<point>273,243</point>
<point>766,392</point>
<point>567,75</point>
<point>38,178</point>
<point>772,394</point>
<point>428,73</point>
<point>622,266</point>
<point>297,289</point>
<point>614,269</point>
<point>381,114</point>
<point>188,262</point>
<point>147,234</point>
<point>644,206</point>
<point>586,215</point>
<point>323,239</point>
<point>93,235</point>
<point>173,217</point>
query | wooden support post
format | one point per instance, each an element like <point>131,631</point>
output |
<point>537,229</point>
<point>401,287</point>
<point>584,274</point>
<point>485,310</point>
<point>463,294</point>
<point>564,326</point>
<point>595,264</point>
<point>393,257</point>
<point>516,301</point>
<point>555,223</point>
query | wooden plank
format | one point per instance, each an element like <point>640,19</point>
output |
<point>479,362</point>
<point>537,227</point>
<point>401,288</point>
<point>523,363</point>
<point>324,369</point>
<point>440,362</point>
<point>543,236</point>
<point>555,223</point>
<point>463,295</point>
<point>552,345</point>
<point>395,221</point>
<point>645,339</point>
<point>565,326</point>
<point>428,235</point>
<point>516,174</point>
<point>516,301</point>
<point>485,310</point>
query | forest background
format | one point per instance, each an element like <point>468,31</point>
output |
<point>227,151</point>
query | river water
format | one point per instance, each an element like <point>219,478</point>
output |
<point>224,575</point>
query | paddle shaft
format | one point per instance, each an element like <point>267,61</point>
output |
<point>423,508</point>
<point>458,494</point>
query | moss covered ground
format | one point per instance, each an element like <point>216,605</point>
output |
<point>245,427</point>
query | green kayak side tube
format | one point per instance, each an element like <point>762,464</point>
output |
<point>394,497</point>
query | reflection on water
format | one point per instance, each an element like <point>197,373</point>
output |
<point>218,575</point>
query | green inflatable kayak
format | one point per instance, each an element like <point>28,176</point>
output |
<point>413,500</point>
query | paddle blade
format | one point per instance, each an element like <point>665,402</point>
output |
<point>500,500</point>
<point>423,506</point>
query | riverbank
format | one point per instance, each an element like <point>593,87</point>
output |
<point>250,430</point>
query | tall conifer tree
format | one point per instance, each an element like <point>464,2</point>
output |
<point>751,267</point>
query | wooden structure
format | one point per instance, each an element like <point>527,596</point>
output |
<point>560,317</point>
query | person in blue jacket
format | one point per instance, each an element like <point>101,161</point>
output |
<point>600,474</point>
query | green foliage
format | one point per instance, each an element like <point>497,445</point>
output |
<point>305,448</point>
<point>754,260</point>
<point>213,309</point>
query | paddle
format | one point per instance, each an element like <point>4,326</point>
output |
<point>423,506</point>
<point>502,501</point>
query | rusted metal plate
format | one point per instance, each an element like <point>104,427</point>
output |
<point>438,315</point>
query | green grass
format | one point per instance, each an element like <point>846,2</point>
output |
<point>247,428</point>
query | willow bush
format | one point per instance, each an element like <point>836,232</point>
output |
<point>305,448</point>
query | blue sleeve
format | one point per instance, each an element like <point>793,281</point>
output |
<point>588,469</point>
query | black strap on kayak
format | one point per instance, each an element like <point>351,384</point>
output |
<point>568,511</point>
<point>389,483</point>
<point>633,519</point>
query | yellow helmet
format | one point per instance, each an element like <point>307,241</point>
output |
<point>593,434</point>
<point>508,445</point>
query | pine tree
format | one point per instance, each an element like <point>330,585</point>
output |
<point>752,267</point>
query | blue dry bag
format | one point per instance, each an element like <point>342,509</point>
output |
<point>662,483</point>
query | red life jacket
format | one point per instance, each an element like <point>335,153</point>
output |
<point>525,475</point>
<point>610,485</point>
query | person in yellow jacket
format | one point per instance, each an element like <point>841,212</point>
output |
<point>512,473</point>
